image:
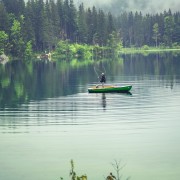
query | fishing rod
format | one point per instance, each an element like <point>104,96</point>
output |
<point>96,72</point>
<point>104,68</point>
<point>99,71</point>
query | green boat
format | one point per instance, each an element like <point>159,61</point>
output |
<point>109,89</point>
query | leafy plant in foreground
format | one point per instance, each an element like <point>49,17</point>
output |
<point>117,165</point>
<point>73,174</point>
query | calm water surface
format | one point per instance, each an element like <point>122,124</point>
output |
<point>48,118</point>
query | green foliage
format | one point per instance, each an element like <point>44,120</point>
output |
<point>145,47</point>
<point>73,174</point>
<point>28,51</point>
<point>114,41</point>
<point>46,23</point>
<point>176,45</point>
<point>67,51</point>
<point>16,39</point>
<point>3,41</point>
<point>82,51</point>
<point>63,51</point>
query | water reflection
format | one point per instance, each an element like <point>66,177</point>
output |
<point>58,119</point>
<point>104,101</point>
<point>21,82</point>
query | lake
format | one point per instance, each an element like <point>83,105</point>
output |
<point>47,118</point>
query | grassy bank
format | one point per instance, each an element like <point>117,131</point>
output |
<point>66,51</point>
<point>147,50</point>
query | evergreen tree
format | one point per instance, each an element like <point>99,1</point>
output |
<point>110,24</point>
<point>94,25</point>
<point>59,5</point>
<point>176,32</point>
<point>40,26</point>
<point>156,33</point>
<point>73,22</point>
<point>89,22</point>
<point>66,19</point>
<point>159,18</point>
<point>147,30</point>
<point>16,7</point>
<point>130,28</point>
<point>168,32</point>
<point>48,26</point>
<point>126,28</point>
<point>101,28</point>
<point>82,26</point>
<point>138,30</point>
<point>55,18</point>
<point>29,22</point>
<point>3,17</point>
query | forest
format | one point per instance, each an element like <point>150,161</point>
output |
<point>38,26</point>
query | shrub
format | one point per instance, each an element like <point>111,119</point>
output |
<point>145,47</point>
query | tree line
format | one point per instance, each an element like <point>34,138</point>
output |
<point>39,26</point>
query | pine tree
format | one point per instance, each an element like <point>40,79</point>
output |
<point>89,26</point>
<point>3,17</point>
<point>60,9</point>
<point>94,26</point>
<point>16,7</point>
<point>168,32</point>
<point>156,33</point>
<point>110,24</point>
<point>82,26</point>
<point>73,22</point>
<point>66,19</point>
<point>40,25</point>
<point>130,28</point>
<point>176,32</point>
<point>138,30</point>
<point>28,32</point>
<point>126,28</point>
<point>101,28</point>
<point>147,30</point>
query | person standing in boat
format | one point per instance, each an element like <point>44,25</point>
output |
<point>103,79</point>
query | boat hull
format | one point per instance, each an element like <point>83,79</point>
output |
<point>109,89</point>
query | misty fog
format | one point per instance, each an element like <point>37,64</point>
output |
<point>117,6</point>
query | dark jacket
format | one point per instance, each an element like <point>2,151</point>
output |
<point>103,78</point>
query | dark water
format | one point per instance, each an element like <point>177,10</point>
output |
<point>48,118</point>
